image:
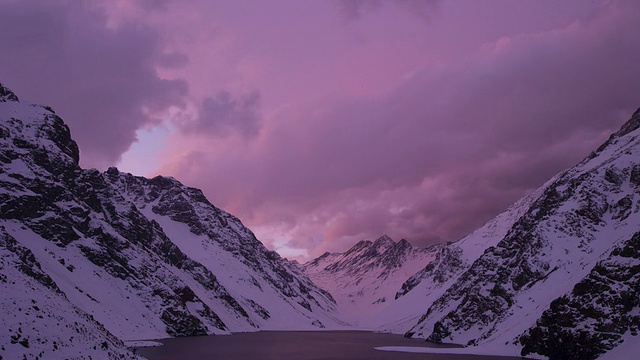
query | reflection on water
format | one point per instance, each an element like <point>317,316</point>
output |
<point>298,345</point>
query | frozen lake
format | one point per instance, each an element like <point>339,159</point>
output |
<point>297,345</point>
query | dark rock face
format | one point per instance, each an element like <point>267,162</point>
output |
<point>190,207</point>
<point>631,125</point>
<point>446,264</point>
<point>6,94</point>
<point>594,316</point>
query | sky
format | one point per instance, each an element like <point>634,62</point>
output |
<point>322,123</point>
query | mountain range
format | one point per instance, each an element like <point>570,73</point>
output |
<point>90,260</point>
<point>365,278</point>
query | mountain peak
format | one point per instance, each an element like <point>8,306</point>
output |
<point>36,134</point>
<point>384,240</point>
<point>403,244</point>
<point>631,125</point>
<point>7,95</point>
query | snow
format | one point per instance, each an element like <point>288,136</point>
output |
<point>39,322</point>
<point>629,349</point>
<point>403,313</point>
<point>142,343</point>
<point>470,351</point>
<point>571,245</point>
<point>111,301</point>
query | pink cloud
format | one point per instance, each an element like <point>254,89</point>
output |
<point>441,153</point>
<point>319,132</point>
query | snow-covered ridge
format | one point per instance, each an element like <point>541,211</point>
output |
<point>365,278</point>
<point>134,257</point>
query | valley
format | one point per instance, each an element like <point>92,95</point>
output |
<point>91,260</point>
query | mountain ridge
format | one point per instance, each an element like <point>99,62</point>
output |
<point>140,258</point>
<point>363,279</point>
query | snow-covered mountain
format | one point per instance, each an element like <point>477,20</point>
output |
<point>88,255</point>
<point>416,293</point>
<point>559,276</point>
<point>364,279</point>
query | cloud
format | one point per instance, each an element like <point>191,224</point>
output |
<point>223,115</point>
<point>173,60</point>
<point>150,5</point>
<point>101,80</point>
<point>353,9</point>
<point>421,132</point>
<point>440,154</point>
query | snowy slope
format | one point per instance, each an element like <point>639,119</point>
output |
<point>364,279</point>
<point>146,258</point>
<point>37,319</point>
<point>274,294</point>
<point>575,221</point>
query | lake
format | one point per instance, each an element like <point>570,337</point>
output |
<point>297,345</point>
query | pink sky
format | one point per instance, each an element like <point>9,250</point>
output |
<point>321,123</point>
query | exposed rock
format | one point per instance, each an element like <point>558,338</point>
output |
<point>6,94</point>
<point>594,316</point>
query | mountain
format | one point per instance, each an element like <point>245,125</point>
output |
<point>95,257</point>
<point>561,278</point>
<point>365,278</point>
<point>443,267</point>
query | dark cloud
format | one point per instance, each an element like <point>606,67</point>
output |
<point>101,80</point>
<point>223,115</point>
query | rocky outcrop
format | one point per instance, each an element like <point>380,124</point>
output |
<point>594,316</point>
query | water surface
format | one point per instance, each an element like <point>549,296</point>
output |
<point>296,345</point>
